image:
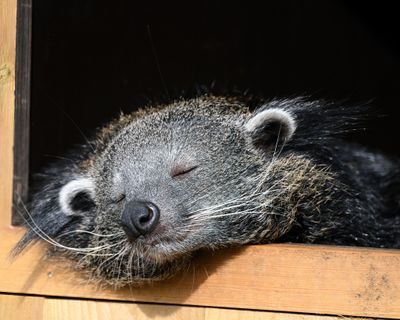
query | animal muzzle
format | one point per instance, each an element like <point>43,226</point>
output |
<point>139,218</point>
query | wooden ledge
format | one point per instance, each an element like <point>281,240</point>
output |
<point>76,309</point>
<point>279,277</point>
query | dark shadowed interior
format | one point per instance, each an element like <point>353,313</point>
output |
<point>93,58</point>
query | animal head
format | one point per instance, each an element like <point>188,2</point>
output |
<point>162,183</point>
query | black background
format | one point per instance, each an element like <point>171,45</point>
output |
<point>93,58</point>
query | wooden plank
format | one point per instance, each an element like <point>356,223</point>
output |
<point>25,307</point>
<point>281,277</point>
<point>231,314</point>
<point>83,309</point>
<point>21,307</point>
<point>22,107</point>
<point>7,86</point>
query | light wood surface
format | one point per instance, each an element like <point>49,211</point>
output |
<point>296,278</point>
<point>7,86</point>
<point>40,308</point>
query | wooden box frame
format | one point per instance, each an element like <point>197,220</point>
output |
<point>280,278</point>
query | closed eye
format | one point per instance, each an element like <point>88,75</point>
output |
<point>180,171</point>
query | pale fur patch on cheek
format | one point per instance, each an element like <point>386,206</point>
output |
<point>71,189</point>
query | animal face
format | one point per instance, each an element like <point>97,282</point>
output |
<point>161,184</point>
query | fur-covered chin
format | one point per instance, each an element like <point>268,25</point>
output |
<point>131,271</point>
<point>163,252</point>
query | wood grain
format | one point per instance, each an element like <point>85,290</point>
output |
<point>41,308</point>
<point>7,86</point>
<point>22,108</point>
<point>21,307</point>
<point>296,278</point>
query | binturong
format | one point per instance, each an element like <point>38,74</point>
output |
<point>157,185</point>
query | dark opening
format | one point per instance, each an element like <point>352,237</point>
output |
<point>91,59</point>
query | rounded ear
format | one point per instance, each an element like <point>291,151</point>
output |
<point>77,196</point>
<point>270,127</point>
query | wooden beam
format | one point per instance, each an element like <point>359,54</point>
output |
<point>281,277</point>
<point>22,108</point>
<point>8,10</point>
<point>14,307</point>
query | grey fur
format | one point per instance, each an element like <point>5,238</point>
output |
<point>287,179</point>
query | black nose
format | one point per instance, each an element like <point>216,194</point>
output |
<point>139,218</point>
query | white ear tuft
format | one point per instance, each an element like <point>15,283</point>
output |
<point>270,124</point>
<point>71,190</point>
<point>272,115</point>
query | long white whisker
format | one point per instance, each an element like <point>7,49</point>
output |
<point>92,233</point>
<point>44,236</point>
